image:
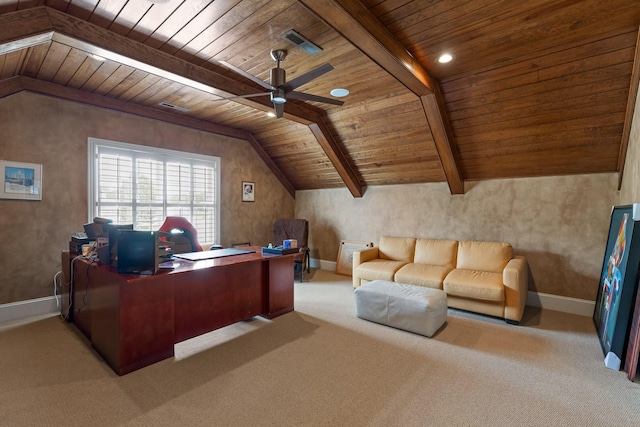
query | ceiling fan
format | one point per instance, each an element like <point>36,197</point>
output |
<point>279,89</point>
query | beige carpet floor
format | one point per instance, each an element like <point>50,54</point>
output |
<point>322,366</point>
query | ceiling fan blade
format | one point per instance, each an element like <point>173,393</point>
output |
<point>306,77</point>
<point>245,74</point>
<point>251,95</point>
<point>279,110</point>
<point>316,98</point>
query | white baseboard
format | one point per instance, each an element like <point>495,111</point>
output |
<point>322,264</point>
<point>49,305</point>
<point>534,299</point>
<point>581,307</point>
<point>29,308</point>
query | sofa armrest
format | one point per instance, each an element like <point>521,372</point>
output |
<point>359,257</point>
<point>516,286</point>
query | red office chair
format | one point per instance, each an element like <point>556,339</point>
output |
<point>182,234</point>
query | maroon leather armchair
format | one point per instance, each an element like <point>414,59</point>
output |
<point>297,229</point>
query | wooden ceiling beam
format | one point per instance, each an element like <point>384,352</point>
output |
<point>29,27</point>
<point>440,130</point>
<point>10,86</point>
<point>272,165</point>
<point>331,148</point>
<point>78,95</point>
<point>93,39</point>
<point>353,21</point>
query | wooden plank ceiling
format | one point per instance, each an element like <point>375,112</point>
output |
<point>535,88</point>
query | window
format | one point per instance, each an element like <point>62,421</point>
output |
<point>133,184</point>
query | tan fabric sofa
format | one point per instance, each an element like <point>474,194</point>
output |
<point>482,277</point>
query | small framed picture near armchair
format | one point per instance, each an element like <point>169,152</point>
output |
<point>248,191</point>
<point>21,180</point>
<point>345,255</point>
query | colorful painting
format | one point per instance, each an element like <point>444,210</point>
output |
<point>618,280</point>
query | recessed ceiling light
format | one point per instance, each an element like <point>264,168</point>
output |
<point>339,92</point>
<point>444,58</point>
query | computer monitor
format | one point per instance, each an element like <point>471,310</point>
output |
<point>112,231</point>
<point>137,252</point>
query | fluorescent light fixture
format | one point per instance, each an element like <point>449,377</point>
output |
<point>444,58</point>
<point>97,57</point>
<point>339,92</point>
<point>112,56</point>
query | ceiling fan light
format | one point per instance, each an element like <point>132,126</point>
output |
<point>277,96</point>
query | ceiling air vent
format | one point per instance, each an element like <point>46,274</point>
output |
<point>175,107</point>
<point>301,42</point>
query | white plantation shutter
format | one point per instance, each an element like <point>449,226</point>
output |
<point>139,185</point>
<point>115,187</point>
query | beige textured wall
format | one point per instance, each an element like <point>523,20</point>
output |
<point>40,129</point>
<point>630,188</point>
<point>559,223</point>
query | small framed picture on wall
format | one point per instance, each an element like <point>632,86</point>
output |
<point>21,180</point>
<point>248,191</point>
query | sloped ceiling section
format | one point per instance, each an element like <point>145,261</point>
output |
<point>536,88</point>
<point>42,26</point>
<point>362,29</point>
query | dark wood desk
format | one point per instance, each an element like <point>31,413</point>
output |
<point>133,321</point>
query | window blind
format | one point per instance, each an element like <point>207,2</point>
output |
<point>140,185</point>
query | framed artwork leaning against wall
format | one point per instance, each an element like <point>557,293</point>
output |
<point>344,265</point>
<point>618,280</point>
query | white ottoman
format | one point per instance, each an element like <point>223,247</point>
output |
<point>411,308</point>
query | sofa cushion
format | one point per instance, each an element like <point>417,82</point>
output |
<point>397,248</point>
<point>436,252</point>
<point>430,276</point>
<point>484,256</point>
<point>379,269</point>
<point>483,285</point>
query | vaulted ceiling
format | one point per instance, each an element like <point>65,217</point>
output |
<point>535,88</point>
